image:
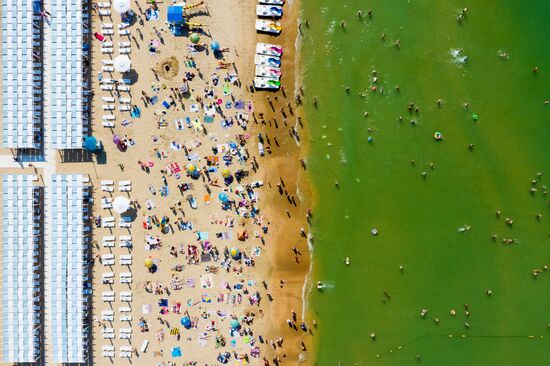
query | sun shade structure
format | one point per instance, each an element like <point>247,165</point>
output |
<point>66,74</point>
<point>21,76</point>
<point>67,299</point>
<point>121,6</point>
<point>21,283</point>
<point>121,204</point>
<point>122,63</point>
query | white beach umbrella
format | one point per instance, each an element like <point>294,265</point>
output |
<point>121,204</point>
<point>121,6</point>
<point>122,63</point>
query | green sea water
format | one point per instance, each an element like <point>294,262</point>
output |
<point>418,218</point>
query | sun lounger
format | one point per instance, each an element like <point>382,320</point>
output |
<point>144,346</point>
<point>124,44</point>
<point>125,225</point>
<point>124,108</point>
<point>109,117</point>
<point>104,5</point>
<point>104,13</point>
<point>108,69</point>
<point>125,259</point>
<point>107,256</point>
<point>108,99</point>
<point>109,238</point>
<point>108,336</point>
<point>123,88</point>
<point>108,347</point>
<point>107,182</point>
<point>108,124</point>
<point>107,44</point>
<point>123,25</point>
<point>109,225</point>
<point>125,100</point>
<point>107,189</point>
<point>108,107</point>
<point>109,219</point>
<point>108,32</point>
<point>124,51</point>
<point>106,50</point>
<point>107,315</point>
<point>106,87</point>
<point>126,318</point>
<point>124,32</point>
<point>108,62</point>
<point>107,25</point>
<point>125,237</point>
<point>106,203</point>
<point>126,296</point>
<point>108,244</point>
<point>125,309</point>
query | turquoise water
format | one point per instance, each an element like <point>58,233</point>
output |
<point>418,218</point>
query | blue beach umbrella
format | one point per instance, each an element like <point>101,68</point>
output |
<point>186,322</point>
<point>222,196</point>
<point>234,324</point>
<point>215,46</point>
<point>90,143</point>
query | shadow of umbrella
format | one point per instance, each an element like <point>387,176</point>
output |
<point>132,76</point>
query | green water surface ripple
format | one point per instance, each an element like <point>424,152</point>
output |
<point>418,218</point>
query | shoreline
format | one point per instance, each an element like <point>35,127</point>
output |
<point>296,179</point>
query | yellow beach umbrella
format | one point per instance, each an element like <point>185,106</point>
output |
<point>191,168</point>
<point>226,173</point>
<point>148,263</point>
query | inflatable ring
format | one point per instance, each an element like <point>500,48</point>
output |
<point>474,117</point>
<point>438,136</point>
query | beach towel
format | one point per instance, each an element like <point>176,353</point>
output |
<point>203,339</point>
<point>239,104</point>
<point>146,308</point>
<point>202,235</point>
<point>153,100</point>
<point>191,282</point>
<point>208,119</point>
<point>166,104</point>
<point>206,299</point>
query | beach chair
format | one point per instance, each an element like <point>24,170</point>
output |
<point>109,117</point>
<point>124,224</point>
<point>107,189</point>
<point>107,25</point>
<point>108,32</point>
<point>126,318</point>
<point>108,124</point>
<point>108,107</point>
<point>144,346</point>
<point>124,108</point>
<point>108,100</point>
<point>107,182</point>
<point>124,44</point>
<point>104,13</point>
<point>107,44</point>
<point>107,315</point>
<point>125,309</point>
<point>125,88</point>
<point>123,25</point>
<point>124,51</point>
<point>106,87</point>
<point>124,32</point>
<point>108,69</point>
<point>106,50</point>
<point>104,5</point>
<point>125,100</point>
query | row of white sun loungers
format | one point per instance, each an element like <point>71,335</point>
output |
<point>124,296</point>
<point>123,185</point>
<point>109,278</point>
<point>109,259</point>
<point>109,241</point>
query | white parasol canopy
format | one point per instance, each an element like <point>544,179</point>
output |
<point>121,204</point>
<point>122,63</point>
<point>121,6</point>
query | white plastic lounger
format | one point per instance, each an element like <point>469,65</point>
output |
<point>108,69</point>
<point>107,183</point>
<point>104,13</point>
<point>109,117</point>
<point>108,62</point>
<point>108,124</point>
<point>124,108</point>
<point>108,32</point>
<point>272,2</point>
<point>107,44</point>
<point>108,99</point>
<point>107,25</point>
<point>124,32</point>
<point>125,51</point>
<point>106,87</point>
<point>124,44</point>
<point>123,88</point>
<point>125,100</point>
<point>108,107</point>
<point>144,346</point>
<point>104,5</point>
<point>106,50</point>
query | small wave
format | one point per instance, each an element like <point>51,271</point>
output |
<point>459,58</point>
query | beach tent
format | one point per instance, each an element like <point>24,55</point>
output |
<point>121,204</point>
<point>122,63</point>
<point>175,15</point>
<point>121,6</point>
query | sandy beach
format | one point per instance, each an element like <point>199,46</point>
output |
<point>236,278</point>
